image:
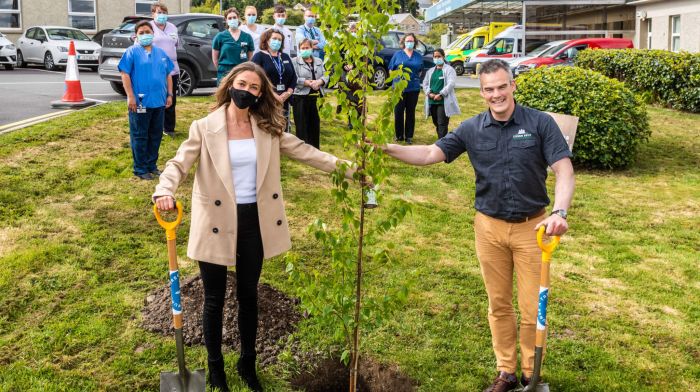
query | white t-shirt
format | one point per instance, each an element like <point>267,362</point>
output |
<point>255,34</point>
<point>243,158</point>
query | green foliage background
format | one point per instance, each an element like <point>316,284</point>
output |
<point>612,119</point>
<point>662,76</point>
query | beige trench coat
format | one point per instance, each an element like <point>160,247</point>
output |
<point>214,218</point>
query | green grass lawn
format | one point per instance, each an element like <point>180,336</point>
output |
<point>80,250</point>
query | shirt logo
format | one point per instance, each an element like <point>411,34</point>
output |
<point>522,134</point>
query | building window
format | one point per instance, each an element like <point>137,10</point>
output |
<point>81,14</point>
<point>10,14</point>
<point>648,33</point>
<point>143,7</point>
<point>676,33</point>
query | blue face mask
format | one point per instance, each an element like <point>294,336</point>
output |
<point>439,61</point>
<point>410,44</point>
<point>161,18</point>
<point>280,21</point>
<point>310,20</point>
<point>251,19</point>
<point>232,23</point>
<point>275,44</point>
<point>146,39</point>
<point>305,53</point>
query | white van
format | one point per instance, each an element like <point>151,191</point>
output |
<point>507,45</point>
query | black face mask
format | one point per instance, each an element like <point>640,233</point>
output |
<point>242,98</point>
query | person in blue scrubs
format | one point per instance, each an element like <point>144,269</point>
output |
<point>413,61</point>
<point>231,47</point>
<point>145,71</point>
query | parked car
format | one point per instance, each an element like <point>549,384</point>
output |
<point>541,50</point>
<point>565,53</point>
<point>8,53</point>
<point>48,45</point>
<point>196,33</point>
<point>98,37</point>
<point>391,42</point>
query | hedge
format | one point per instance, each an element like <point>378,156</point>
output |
<point>670,78</point>
<point>612,119</point>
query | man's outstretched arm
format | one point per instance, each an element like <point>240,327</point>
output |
<point>415,155</point>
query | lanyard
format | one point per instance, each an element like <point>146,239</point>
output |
<point>278,64</point>
<point>311,32</point>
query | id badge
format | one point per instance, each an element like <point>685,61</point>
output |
<point>244,55</point>
<point>141,110</point>
<point>280,87</point>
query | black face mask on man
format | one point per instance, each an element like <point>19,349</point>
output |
<point>242,98</point>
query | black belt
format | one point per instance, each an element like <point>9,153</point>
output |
<point>527,218</point>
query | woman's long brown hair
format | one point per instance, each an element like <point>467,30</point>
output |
<point>267,112</point>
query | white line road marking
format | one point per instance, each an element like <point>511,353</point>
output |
<point>104,95</point>
<point>42,70</point>
<point>32,120</point>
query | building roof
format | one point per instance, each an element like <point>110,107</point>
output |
<point>401,18</point>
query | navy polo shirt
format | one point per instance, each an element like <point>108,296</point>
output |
<point>510,161</point>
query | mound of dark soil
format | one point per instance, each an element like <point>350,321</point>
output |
<point>332,376</point>
<point>277,316</point>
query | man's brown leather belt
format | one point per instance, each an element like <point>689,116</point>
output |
<point>527,218</point>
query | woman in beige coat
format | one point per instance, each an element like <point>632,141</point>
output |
<point>238,215</point>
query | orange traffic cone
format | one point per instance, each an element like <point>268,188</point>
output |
<point>73,97</point>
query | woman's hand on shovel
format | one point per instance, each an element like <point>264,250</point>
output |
<point>165,203</point>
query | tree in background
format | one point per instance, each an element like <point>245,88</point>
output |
<point>206,7</point>
<point>408,7</point>
<point>209,6</point>
<point>433,37</point>
<point>294,17</point>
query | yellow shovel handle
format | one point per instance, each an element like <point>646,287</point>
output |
<point>170,227</point>
<point>548,248</point>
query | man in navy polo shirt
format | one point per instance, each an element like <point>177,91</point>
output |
<point>146,77</point>
<point>510,147</point>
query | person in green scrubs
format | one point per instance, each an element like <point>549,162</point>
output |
<point>231,47</point>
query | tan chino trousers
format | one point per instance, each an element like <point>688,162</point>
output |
<point>503,248</point>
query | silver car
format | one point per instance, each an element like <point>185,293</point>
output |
<point>48,45</point>
<point>8,53</point>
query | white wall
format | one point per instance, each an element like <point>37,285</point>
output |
<point>659,14</point>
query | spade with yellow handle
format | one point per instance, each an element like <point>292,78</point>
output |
<point>541,334</point>
<point>184,380</point>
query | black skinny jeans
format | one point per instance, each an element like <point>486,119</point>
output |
<point>406,104</point>
<point>440,120</point>
<point>169,121</point>
<point>249,261</point>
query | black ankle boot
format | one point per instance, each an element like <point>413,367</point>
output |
<point>246,369</point>
<point>217,375</point>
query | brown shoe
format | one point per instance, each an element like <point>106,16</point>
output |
<point>504,382</point>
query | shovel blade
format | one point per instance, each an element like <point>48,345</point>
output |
<point>541,387</point>
<point>191,382</point>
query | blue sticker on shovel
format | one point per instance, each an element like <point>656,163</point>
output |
<point>542,309</point>
<point>175,291</point>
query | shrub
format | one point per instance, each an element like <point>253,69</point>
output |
<point>670,78</point>
<point>612,119</point>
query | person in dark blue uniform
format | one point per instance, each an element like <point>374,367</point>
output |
<point>278,67</point>
<point>145,71</point>
<point>413,61</point>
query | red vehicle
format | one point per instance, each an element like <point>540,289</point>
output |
<point>565,53</point>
